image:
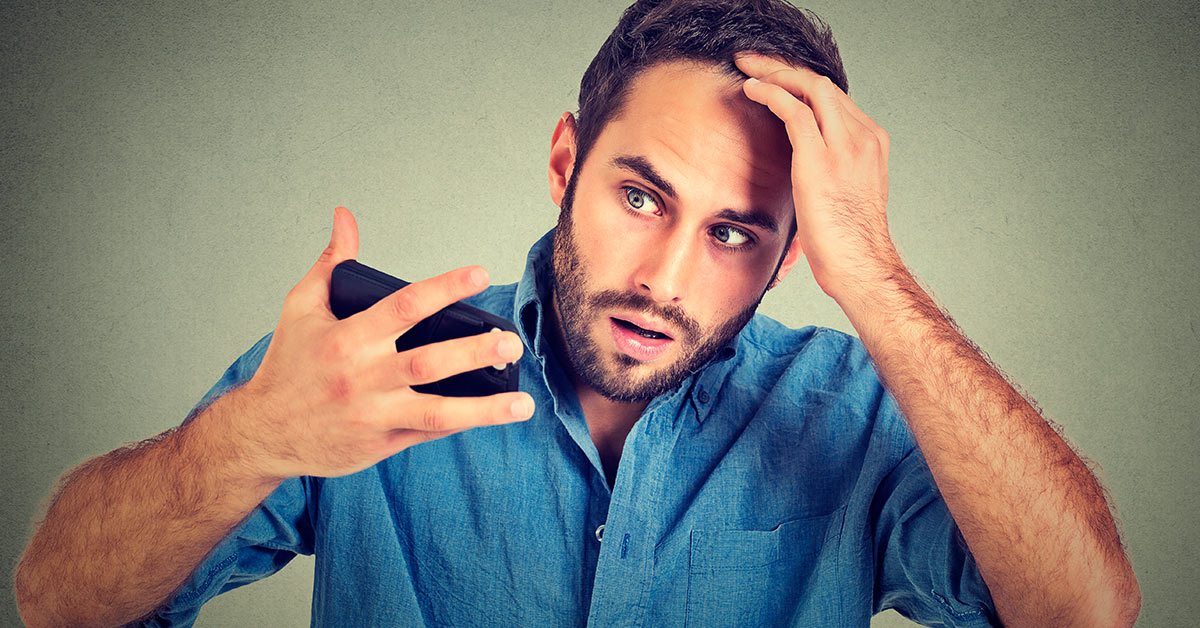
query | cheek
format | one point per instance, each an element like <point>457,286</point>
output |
<point>615,228</point>
<point>726,295</point>
<point>609,241</point>
<point>724,306</point>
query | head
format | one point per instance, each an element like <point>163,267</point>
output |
<point>674,189</point>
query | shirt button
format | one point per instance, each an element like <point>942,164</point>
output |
<point>600,533</point>
<point>703,396</point>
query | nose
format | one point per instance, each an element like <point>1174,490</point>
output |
<point>666,270</point>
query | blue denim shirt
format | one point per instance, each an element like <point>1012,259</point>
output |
<point>777,485</point>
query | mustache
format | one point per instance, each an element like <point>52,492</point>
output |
<point>637,302</point>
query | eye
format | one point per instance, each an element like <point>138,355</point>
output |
<point>726,233</point>
<point>732,238</point>
<point>636,198</point>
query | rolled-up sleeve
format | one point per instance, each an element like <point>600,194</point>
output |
<point>924,569</point>
<point>271,535</point>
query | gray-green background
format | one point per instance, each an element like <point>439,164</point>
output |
<point>168,172</point>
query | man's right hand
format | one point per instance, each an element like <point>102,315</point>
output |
<point>332,397</point>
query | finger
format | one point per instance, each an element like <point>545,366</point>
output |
<point>816,90</point>
<point>313,290</point>
<point>399,311</point>
<point>435,413</point>
<point>850,109</point>
<point>439,360</point>
<point>803,132</point>
<point>754,64</point>
<point>399,440</point>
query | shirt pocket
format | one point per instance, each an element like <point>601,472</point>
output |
<point>785,575</point>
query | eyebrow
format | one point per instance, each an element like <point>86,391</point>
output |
<point>641,166</point>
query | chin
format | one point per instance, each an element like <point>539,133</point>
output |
<point>621,378</point>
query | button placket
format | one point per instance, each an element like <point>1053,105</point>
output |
<point>624,570</point>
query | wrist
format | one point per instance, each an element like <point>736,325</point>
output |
<point>857,289</point>
<point>218,437</point>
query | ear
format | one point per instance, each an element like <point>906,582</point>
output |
<point>562,156</point>
<point>793,255</point>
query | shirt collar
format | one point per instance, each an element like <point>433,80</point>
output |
<point>533,295</point>
<point>531,305</point>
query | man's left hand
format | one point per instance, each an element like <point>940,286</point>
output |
<point>839,172</point>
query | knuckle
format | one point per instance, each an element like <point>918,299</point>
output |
<point>360,416</point>
<point>484,352</point>
<point>380,412</point>
<point>791,109</point>
<point>777,100</point>
<point>405,305</point>
<point>335,349</point>
<point>420,367</point>
<point>341,388</point>
<point>432,418</point>
<point>774,75</point>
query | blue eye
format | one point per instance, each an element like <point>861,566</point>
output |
<point>731,238</point>
<point>635,198</point>
<point>725,232</point>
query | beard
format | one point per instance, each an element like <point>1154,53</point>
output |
<point>576,309</point>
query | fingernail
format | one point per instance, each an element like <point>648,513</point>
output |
<point>510,347</point>
<point>522,408</point>
<point>479,277</point>
<point>752,81</point>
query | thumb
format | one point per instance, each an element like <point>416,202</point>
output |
<point>313,289</point>
<point>343,242</point>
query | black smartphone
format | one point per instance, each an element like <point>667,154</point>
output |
<point>355,287</point>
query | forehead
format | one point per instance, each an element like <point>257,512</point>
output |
<point>694,124</point>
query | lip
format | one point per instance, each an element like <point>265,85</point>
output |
<point>637,347</point>
<point>646,323</point>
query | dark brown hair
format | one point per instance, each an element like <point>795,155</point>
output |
<point>710,31</point>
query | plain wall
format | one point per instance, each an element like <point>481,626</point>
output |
<point>168,172</point>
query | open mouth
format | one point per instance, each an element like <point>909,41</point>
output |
<point>645,333</point>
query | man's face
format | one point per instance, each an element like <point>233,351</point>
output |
<point>646,237</point>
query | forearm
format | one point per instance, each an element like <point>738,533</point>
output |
<point>1034,516</point>
<point>128,528</point>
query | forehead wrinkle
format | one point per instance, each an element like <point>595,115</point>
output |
<point>759,158</point>
<point>759,167</point>
<point>739,140</point>
<point>688,154</point>
<point>679,158</point>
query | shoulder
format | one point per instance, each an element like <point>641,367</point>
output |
<point>823,374</point>
<point>814,355</point>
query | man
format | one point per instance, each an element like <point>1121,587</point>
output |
<point>672,457</point>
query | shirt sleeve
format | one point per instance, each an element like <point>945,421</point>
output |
<point>924,569</point>
<point>271,535</point>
